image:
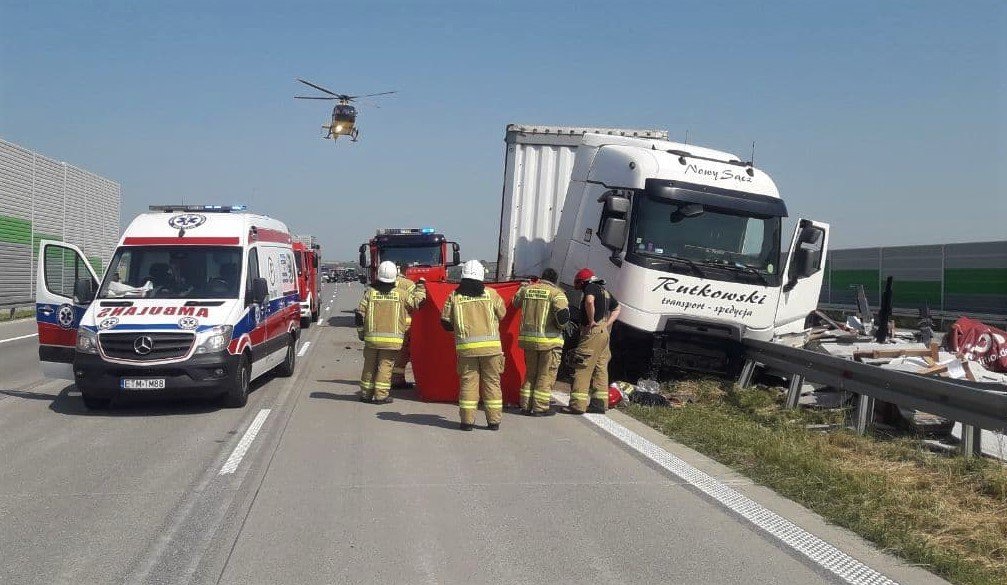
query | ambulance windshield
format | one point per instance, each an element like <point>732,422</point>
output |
<point>173,272</point>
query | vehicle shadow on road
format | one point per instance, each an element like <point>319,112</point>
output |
<point>341,321</point>
<point>427,420</point>
<point>140,405</point>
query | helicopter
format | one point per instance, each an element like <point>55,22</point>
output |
<point>344,115</point>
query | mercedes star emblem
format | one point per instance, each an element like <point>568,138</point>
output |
<point>143,345</point>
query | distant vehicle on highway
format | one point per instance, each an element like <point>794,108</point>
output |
<point>197,300</point>
<point>687,238</point>
<point>309,283</point>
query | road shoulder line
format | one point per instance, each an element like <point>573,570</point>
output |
<point>789,524</point>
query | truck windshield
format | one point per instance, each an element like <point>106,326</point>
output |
<point>173,272</point>
<point>701,235</point>
<point>413,255</point>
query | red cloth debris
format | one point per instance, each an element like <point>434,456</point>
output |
<point>433,349</point>
<point>978,342</point>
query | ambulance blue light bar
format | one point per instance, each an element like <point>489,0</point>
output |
<point>198,208</point>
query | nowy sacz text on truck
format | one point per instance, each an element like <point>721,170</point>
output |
<point>688,238</point>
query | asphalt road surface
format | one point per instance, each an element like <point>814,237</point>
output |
<point>308,485</point>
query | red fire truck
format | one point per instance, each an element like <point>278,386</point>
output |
<point>418,252</point>
<point>309,282</point>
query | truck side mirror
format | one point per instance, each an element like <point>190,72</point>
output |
<point>83,290</point>
<point>362,260</point>
<point>807,258</point>
<point>259,292</point>
<point>456,254</point>
<point>362,278</point>
<point>314,261</point>
<point>614,221</point>
<point>613,233</point>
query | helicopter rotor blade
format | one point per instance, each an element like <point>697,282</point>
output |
<point>353,97</point>
<point>320,88</point>
<point>305,97</point>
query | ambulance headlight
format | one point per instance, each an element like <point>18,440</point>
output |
<point>215,339</point>
<point>87,341</point>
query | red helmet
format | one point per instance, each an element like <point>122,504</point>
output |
<point>583,276</point>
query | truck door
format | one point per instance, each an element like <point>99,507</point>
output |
<point>802,276</point>
<point>65,285</point>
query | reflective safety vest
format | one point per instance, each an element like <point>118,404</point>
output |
<point>384,319</point>
<point>476,322</point>
<point>539,302</point>
<point>413,294</point>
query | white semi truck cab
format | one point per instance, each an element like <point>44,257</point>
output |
<point>689,240</point>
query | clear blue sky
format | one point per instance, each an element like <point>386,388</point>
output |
<point>886,119</point>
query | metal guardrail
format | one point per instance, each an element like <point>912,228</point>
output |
<point>976,408</point>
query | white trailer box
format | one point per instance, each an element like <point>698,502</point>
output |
<point>537,170</point>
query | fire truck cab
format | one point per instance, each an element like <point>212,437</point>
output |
<point>309,284</point>
<point>418,252</point>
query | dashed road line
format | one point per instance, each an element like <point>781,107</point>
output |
<point>246,441</point>
<point>304,349</point>
<point>789,534</point>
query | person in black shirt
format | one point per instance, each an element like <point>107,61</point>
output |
<point>598,310</point>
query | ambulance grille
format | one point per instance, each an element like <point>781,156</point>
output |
<point>164,346</point>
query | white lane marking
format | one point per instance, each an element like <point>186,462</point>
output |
<point>246,441</point>
<point>817,550</point>
<point>304,349</point>
<point>21,337</point>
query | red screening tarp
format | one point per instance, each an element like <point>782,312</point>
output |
<point>433,349</point>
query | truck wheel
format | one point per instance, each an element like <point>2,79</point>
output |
<point>92,402</point>
<point>314,317</point>
<point>237,387</point>
<point>286,369</point>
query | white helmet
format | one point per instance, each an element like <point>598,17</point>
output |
<point>387,272</point>
<point>473,269</point>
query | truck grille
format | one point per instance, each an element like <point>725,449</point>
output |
<point>162,346</point>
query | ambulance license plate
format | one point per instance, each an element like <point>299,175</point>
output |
<point>143,383</point>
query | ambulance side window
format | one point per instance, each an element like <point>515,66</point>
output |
<point>253,271</point>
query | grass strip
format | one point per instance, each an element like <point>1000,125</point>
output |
<point>5,315</point>
<point>946,513</point>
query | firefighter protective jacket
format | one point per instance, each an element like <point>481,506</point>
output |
<point>539,303</point>
<point>383,317</point>
<point>475,322</point>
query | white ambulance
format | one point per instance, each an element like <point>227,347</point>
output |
<point>197,300</point>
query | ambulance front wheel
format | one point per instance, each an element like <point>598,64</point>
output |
<point>236,394</point>
<point>305,322</point>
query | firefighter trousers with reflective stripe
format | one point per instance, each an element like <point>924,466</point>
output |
<point>541,367</point>
<point>376,377</point>
<point>401,361</point>
<point>590,376</point>
<point>480,378</point>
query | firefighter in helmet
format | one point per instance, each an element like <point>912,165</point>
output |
<point>381,325</point>
<point>598,310</point>
<point>473,313</point>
